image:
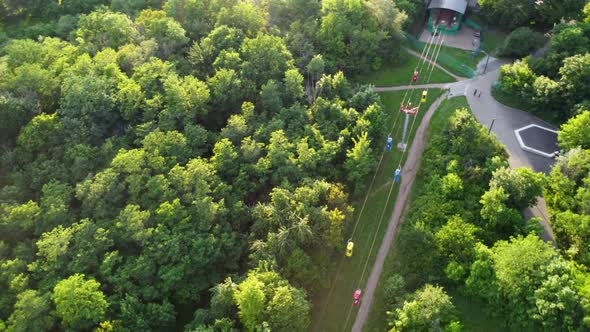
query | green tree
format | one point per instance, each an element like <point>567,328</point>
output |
<point>517,79</point>
<point>167,32</point>
<point>185,99</point>
<point>265,57</point>
<point>244,16</point>
<point>88,111</point>
<point>521,42</point>
<point>429,308</point>
<point>359,161</point>
<point>288,310</point>
<point>196,17</point>
<point>456,241</point>
<point>508,13</point>
<point>552,11</point>
<point>575,132</point>
<point>103,28</point>
<point>32,312</point>
<point>270,97</point>
<point>43,133</point>
<point>293,86</point>
<point>567,196</point>
<point>501,218</point>
<point>452,185</point>
<point>250,299</point>
<point>575,79</point>
<point>522,185</point>
<point>516,263</point>
<point>556,300</point>
<point>79,302</point>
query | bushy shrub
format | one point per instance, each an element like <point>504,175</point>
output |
<point>521,42</point>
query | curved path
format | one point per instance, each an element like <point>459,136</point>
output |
<point>409,171</point>
<point>485,108</point>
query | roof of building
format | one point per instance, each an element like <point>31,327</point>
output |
<point>456,5</point>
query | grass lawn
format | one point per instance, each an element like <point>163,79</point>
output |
<point>400,74</point>
<point>493,40</point>
<point>471,315</point>
<point>457,61</point>
<point>335,312</point>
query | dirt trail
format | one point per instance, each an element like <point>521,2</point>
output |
<point>409,171</point>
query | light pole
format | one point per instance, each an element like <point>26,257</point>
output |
<point>491,125</point>
<point>487,60</point>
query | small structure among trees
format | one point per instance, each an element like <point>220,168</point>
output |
<point>447,15</point>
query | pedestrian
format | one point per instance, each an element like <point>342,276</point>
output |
<point>479,95</point>
<point>474,92</point>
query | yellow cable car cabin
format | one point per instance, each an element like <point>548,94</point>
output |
<point>424,94</point>
<point>349,247</point>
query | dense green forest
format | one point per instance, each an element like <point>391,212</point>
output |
<point>182,165</point>
<point>191,165</point>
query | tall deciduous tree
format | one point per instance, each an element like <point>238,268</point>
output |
<point>103,28</point>
<point>79,302</point>
<point>32,312</point>
<point>359,161</point>
<point>429,308</point>
<point>250,299</point>
<point>575,132</point>
<point>168,33</point>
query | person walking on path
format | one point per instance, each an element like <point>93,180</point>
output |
<point>479,95</point>
<point>474,92</point>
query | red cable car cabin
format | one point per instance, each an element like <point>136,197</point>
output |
<point>356,297</point>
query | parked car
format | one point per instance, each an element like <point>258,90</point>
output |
<point>477,33</point>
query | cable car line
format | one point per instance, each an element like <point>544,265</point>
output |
<point>426,58</point>
<point>424,93</point>
<point>421,60</point>
<point>422,100</point>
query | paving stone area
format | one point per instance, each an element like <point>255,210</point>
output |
<point>464,38</point>
<point>540,139</point>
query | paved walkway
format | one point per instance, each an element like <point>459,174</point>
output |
<point>464,39</point>
<point>410,87</point>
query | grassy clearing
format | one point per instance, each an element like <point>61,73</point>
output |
<point>400,74</point>
<point>335,312</point>
<point>471,315</point>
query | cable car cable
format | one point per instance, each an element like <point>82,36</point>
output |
<point>425,49</point>
<point>441,40</point>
